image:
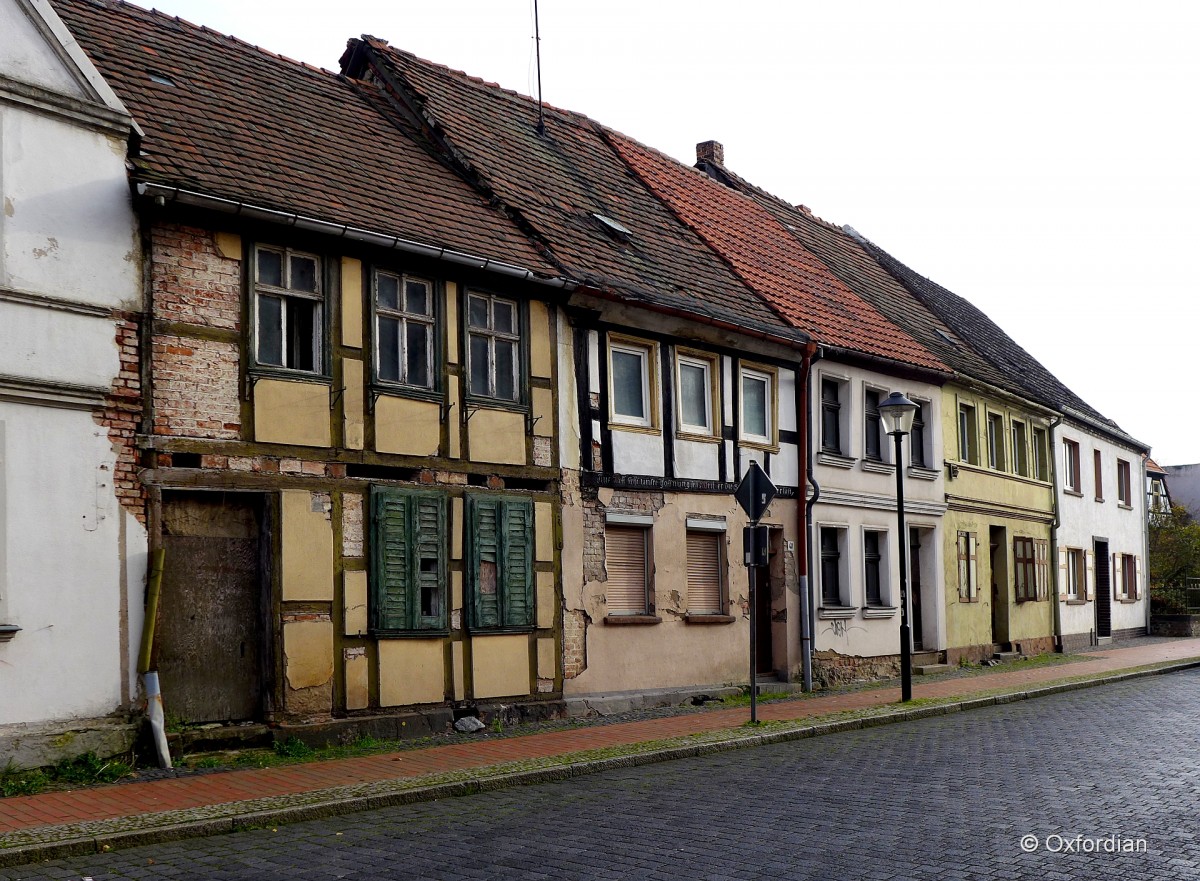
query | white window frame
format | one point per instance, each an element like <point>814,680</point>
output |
<point>647,352</point>
<point>644,526</point>
<point>770,379</point>
<point>1076,587</point>
<point>404,317</point>
<point>1125,485</point>
<point>845,596</point>
<point>886,599</point>
<point>285,293</point>
<point>716,530</point>
<point>709,366</point>
<point>924,409</point>
<point>1072,466</point>
<point>492,335</point>
<point>884,453</point>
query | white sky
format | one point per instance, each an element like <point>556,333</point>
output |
<point>1040,159</point>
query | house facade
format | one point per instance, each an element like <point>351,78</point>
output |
<point>72,519</point>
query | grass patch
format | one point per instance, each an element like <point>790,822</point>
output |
<point>743,700</point>
<point>84,770</point>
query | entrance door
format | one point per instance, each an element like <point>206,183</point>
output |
<point>211,631</point>
<point>998,539</point>
<point>768,589</point>
<point>914,583</point>
<point>1103,590</point>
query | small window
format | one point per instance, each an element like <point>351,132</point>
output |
<point>917,437</point>
<point>627,565</point>
<point>631,367</point>
<point>1075,573</point>
<point>832,582</point>
<point>872,428</point>
<point>968,574</point>
<point>831,416</point>
<point>1124,494</point>
<point>1041,459</point>
<point>705,572</point>
<point>288,303</point>
<point>968,435</point>
<point>995,441</point>
<point>694,377</point>
<point>1020,450</point>
<point>1024,568</point>
<point>404,329</point>
<point>408,562</point>
<point>1098,473</point>
<point>1071,476</point>
<point>874,569</point>
<point>500,561</point>
<point>1128,570</point>
<point>494,347</point>
<point>758,406</point>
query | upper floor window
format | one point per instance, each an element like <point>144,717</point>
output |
<point>1124,496</point>
<point>1071,476</point>
<point>404,338</point>
<point>1098,470</point>
<point>917,436</point>
<point>288,304</point>
<point>758,406</point>
<point>694,376</point>
<point>995,441</point>
<point>631,386</point>
<point>1041,460</point>
<point>872,427</point>
<point>1020,451</point>
<point>831,415</point>
<point>494,350</point>
<point>968,435</point>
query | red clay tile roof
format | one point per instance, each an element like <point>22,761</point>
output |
<point>772,261</point>
<point>558,181</point>
<point>243,124</point>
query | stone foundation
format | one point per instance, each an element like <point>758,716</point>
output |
<point>1129,633</point>
<point>970,654</point>
<point>1076,642</point>
<point>1175,625</point>
<point>831,669</point>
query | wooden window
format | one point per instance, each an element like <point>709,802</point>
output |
<point>631,383</point>
<point>1125,569</point>
<point>627,564</point>
<point>831,566</point>
<point>500,561</point>
<point>1041,552</point>
<point>968,574</point>
<point>873,568</point>
<point>831,416</point>
<point>1071,476</point>
<point>758,406</point>
<point>695,379</point>
<point>1124,493</point>
<point>872,427</point>
<point>1041,461</point>
<point>289,309</point>
<point>493,347</point>
<point>995,441</point>
<point>1024,568</point>
<point>1020,449</point>
<point>408,561</point>
<point>917,437</point>
<point>1098,472</point>
<point>968,435</point>
<point>705,572</point>
<point>404,329</point>
<point>1076,573</point>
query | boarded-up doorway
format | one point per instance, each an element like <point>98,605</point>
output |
<point>212,636</point>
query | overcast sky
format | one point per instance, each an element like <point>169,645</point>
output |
<point>1038,158</point>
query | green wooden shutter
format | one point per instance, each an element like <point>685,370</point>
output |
<point>518,562</point>
<point>391,561</point>
<point>485,563</point>
<point>429,562</point>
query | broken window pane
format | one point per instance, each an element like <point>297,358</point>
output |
<point>430,597</point>
<point>487,578</point>
<point>301,334</point>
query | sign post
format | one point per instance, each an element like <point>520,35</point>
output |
<point>754,494</point>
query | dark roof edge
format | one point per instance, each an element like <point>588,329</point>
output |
<point>1107,430</point>
<point>887,365</point>
<point>340,230</point>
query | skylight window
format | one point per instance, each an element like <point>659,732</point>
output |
<point>951,340</point>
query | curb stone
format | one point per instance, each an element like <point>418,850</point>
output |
<point>328,803</point>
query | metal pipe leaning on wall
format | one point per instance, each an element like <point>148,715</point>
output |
<point>154,704</point>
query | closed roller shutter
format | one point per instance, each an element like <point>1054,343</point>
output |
<point>625,563</point>
<point>704,573</point>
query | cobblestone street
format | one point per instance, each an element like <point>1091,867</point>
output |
<point>944,798</point>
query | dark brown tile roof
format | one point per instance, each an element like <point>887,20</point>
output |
<point>557,182</point>
<point>243,124</point>
<point>772,262</point>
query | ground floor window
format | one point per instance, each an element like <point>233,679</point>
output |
<point>627,564</point>
<point>408,560</point>
<point>500,561</point>
<point>968,573</point>
<point>832,580</point>
<point>705,572</point>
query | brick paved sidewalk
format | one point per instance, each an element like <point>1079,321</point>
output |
<point>74,810</point>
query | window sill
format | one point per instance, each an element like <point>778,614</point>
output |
<point>1076,601</point>
<point>1127,601</point>
<point>8,631</point>
<point>752,443</point>
<point>409,634</point>
<point>1072,492</point>
<point>697,437</point>
<point>478,402</point>
<point>380,388</point>
<point>835,460</point>
<point>963,599</point>
<point>258,372</point>
<point>878,466</point>
<point>1124,506</point>
<point>632,620</point>
<point>708,618</point>
<point>500,631</point>
<point>920,472</point>
<point>879,611</point>
<point>831,612</point>
<point>1100,500</point>
<point>635,429</point>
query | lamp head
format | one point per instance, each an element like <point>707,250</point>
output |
<point>897,414</point>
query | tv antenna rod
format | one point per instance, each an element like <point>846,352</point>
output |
<point>537,43</point>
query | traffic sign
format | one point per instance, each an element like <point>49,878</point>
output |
<point>755,492</point>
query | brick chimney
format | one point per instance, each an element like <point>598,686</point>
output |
<point>710,151</point>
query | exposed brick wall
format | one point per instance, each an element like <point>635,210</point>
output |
<point>192,281</point>
<point>1074,642</point>
<point>196,388</point>
<point>832,669</point>
<point>1128,633</point>
<point>575,625</point>
<point>352,525</point>
<point>122,415</point>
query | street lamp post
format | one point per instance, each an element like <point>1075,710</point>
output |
<point>896,414</point>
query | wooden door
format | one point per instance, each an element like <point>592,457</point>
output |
<point>211,635</point>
